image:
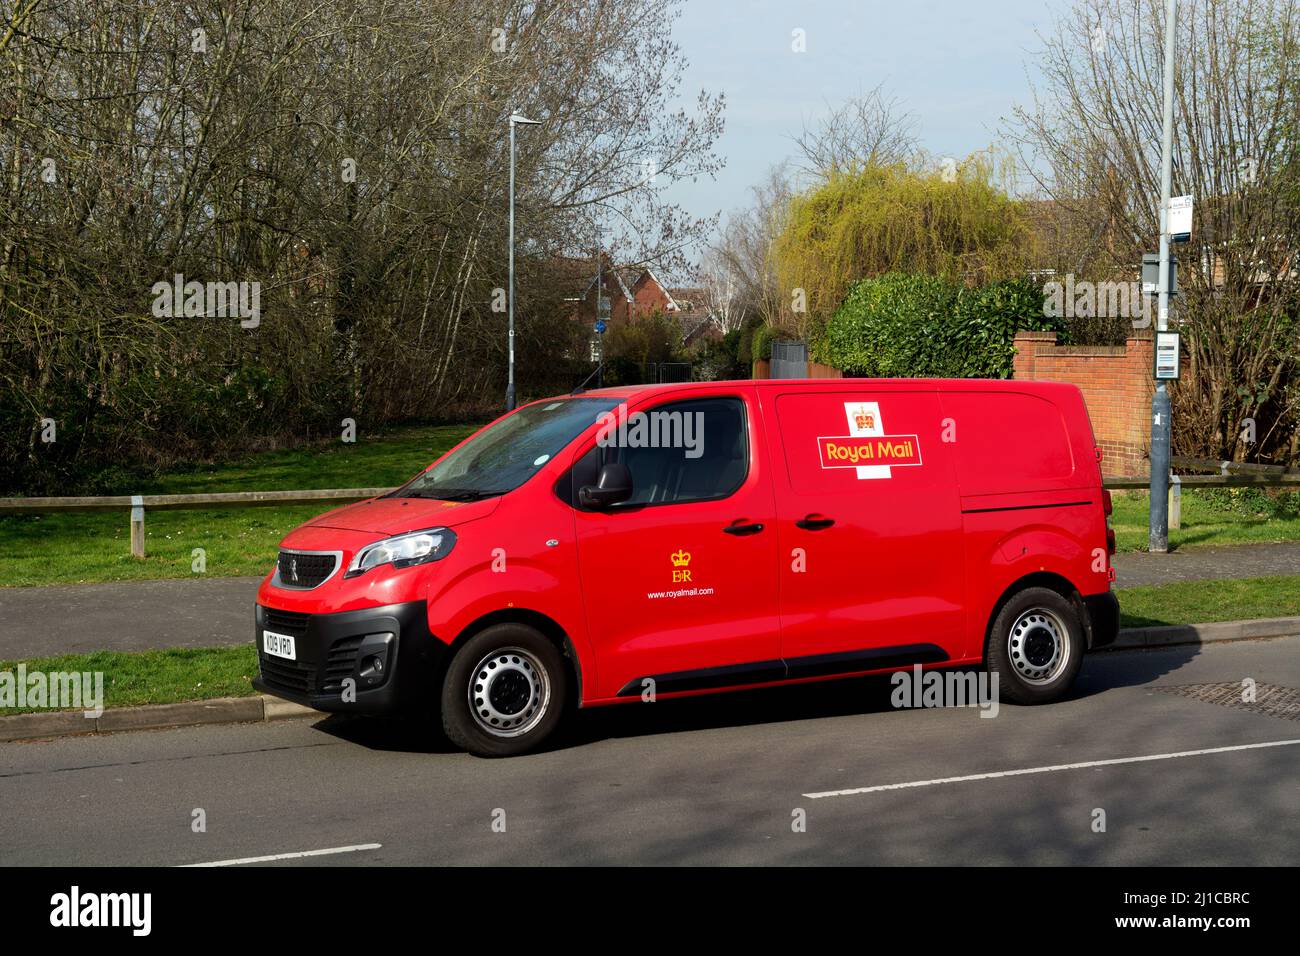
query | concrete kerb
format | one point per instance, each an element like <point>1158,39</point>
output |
<point>1167,636</point>
<point>220,710</point>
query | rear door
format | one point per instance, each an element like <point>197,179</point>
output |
<point>869,529</point>
<point>679,584</point>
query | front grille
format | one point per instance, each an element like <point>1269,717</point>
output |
<point>287,622</point>
<point>341,663</point>
<point>293,676</point>
<point>299,569</point>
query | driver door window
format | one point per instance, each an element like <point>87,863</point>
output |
<point>695,450</point>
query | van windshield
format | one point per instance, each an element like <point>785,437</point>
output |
<point>505,455</point>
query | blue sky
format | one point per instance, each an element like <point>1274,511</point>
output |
<point>958,65</point>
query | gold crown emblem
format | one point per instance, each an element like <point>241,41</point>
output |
<point>866,420</point>
<point>681,559</point>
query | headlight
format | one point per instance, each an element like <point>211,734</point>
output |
<point>404,550</point>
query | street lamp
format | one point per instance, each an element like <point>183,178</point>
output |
<point>1158,526</point>
<point>515,120</point>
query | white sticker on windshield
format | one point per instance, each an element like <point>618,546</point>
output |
<point>541,460</point>
<point>552,406</point>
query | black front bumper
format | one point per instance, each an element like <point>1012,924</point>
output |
<point>374,661</point>
<point>1103,617</point>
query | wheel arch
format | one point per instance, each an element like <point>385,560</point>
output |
<point>1043,579</point>
<point>547,626</point>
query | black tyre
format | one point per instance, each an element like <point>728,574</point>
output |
<point>1035,646</point>
<point>505,691</point>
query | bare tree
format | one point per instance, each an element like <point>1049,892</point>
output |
<point>347,156</point>
<point>742,259</point>
<point>721,293</point>
<point>871,129</point>
<point>1093,136</point>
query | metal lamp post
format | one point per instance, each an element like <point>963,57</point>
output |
<point>515,120</point>
<point>1158,530</point>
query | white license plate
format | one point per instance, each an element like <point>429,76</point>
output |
<point>279,645</point>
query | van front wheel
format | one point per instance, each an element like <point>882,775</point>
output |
<point>1036,646</point>
<point>504,692</point>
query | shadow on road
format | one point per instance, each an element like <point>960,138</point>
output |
<point>838,698</point>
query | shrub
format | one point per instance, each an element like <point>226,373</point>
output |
<point>906,325</point>
<point>718,360</point>
<point>761,344</point>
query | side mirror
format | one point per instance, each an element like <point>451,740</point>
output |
<point>613,485</point>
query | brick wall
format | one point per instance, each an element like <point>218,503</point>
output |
<point>1116,384</point>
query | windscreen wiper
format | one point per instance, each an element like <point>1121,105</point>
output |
<point>461,494</point>
<point>448,494</point>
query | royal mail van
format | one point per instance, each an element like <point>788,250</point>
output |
<point>637,544</point>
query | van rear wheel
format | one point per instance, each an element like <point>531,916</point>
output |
<point>505,691</point>
<point>1035,646</point>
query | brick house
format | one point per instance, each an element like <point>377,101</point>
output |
<point>637,292</point>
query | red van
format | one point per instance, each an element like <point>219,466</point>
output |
<point>632,544</point>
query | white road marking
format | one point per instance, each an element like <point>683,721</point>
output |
<point>291,856</point>
<point>1028,770</point>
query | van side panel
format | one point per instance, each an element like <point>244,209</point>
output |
<point>1030,491</point>
<point>867,518</point>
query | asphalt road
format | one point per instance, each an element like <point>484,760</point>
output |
<point>211,612</point>
<point>709,780</point>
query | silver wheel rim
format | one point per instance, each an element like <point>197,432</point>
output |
<point>509,692</point>
<point>1038,646</point>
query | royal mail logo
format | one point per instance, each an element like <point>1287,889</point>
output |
<point>867,448</point>
<point>849,452</point>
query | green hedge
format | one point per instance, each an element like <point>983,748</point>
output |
<point>901,325</point>
<point>761,347</point>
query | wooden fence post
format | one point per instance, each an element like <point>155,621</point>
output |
<point>137,526</point>
<point>1175,502</point>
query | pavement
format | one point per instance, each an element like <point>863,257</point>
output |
<point>211,612</point>
<point>1140,568</point>
<point>727,779</point>
<point>126,616</point>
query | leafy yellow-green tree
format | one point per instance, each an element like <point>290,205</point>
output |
<point>954,222</point>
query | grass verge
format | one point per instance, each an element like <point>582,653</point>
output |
<point>154,677</point>
<point>1206,602</point>
<point>95,547</point>
<point>1212,516</point>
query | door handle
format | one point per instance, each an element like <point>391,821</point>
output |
<point>814,522</point>
<point>742,529</point>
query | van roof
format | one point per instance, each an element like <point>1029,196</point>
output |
<point>937,384</point>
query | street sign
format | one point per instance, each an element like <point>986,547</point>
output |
<point>1151,274</point>
<point>1180,218</point>
<point>1167,352</point>
<point>600,326</point>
